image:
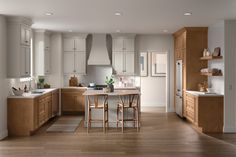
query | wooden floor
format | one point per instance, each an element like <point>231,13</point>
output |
<point>161,135</point>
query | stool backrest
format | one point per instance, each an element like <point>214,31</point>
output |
<point>101,99</point>
<point>130,99</point>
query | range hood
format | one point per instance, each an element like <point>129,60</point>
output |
<point>99,54</point>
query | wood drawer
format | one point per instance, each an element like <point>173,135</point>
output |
<point>190,116</point>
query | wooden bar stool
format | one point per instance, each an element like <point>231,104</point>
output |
<point>98,102</point>
<point>126,102</point>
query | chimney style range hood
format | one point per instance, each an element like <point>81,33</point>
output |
<point>99,54</point>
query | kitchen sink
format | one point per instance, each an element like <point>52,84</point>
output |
<point>37,91</point>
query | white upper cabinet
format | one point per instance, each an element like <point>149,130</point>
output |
<point>80,44</point>
<point>74,44</point>
<point>68,44</point>
<point>69,60</point>
<point>18,47</point>
<point>25,61</point>
<point>123,44</point>
<point>42,53</point>
<point>25,35</point>
<point>123,56</point>
<point>74,54</point>
<point>118,44</point>
<point>80,62</point>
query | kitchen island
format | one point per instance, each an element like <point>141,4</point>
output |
<point>113,99</point>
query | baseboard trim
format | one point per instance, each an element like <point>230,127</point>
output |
<point>229,129</point>
<point>3,134</point>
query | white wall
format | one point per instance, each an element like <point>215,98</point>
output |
<point>230,76</point>
<point>154,88</point>
<point>216,39</point>
<point>3,79</point>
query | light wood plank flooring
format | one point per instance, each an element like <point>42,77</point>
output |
<point>161,135</point>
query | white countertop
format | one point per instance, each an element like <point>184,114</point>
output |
<point>115,93</point>
<point>32,95</point>
<point>197,93</point>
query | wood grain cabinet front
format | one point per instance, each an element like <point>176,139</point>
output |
<point>72,100</point>
<point>25,115</point>
<point>205,112</point>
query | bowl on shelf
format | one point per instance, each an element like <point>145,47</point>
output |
<point>18,92</point>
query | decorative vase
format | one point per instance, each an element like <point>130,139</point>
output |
<point>111,86</point>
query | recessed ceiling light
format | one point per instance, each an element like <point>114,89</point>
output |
<point>70,31</point>
<point>118,13</point>
<point>48,13</point>
<point>118,31</point>
<point>165,30</point>
<point>187,14</point>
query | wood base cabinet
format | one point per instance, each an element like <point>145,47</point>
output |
<point>72,100</point>
<point>205,112</point>
<point>26,115</point>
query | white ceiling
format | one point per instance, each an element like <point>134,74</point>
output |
<point>139,16</point>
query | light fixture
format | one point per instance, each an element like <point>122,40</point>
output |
<point>187,14</point>
<point>70,30</point>
<point>118,31</point>
<point>48,13</point>
<point>118,13</point>
<point>165,30</point>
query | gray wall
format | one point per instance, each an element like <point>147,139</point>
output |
<point>3,79</point>
<point>230,76</point>
<point>154,89</point>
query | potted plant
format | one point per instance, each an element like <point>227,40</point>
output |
<point>110,81</point>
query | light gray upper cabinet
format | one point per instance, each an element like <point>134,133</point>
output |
<point>42,52</point>
<point>123,44</point>
<point>18,47</point>
<point>123,56</point>
<point>74,44</point>
<point>74,55</point>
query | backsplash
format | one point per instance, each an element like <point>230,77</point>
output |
<point>97,74</point>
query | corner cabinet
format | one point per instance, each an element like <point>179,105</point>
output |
<point>74,55</point>
<point>123,56</point>
<point>42,51</point>
<point>18,47</point>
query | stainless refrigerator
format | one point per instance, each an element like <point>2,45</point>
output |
<point>179,89</point>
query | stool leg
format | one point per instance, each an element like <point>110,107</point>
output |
<point>122,119</point>
<point>88,119</point>
<point>107,118</point>
<point>104,120</point>
<point>117,117</point>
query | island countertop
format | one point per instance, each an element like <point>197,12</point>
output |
<point>115,93</point>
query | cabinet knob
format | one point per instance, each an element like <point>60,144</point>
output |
<point>26,41</point>
<point>26,72</point>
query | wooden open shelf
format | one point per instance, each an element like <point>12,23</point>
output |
<point>211,74</point>
<point>211,57</point>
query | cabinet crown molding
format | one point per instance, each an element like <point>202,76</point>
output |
<point>75,35</point>
<point>18,19</point>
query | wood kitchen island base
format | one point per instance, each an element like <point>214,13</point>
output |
<point>205,112</point>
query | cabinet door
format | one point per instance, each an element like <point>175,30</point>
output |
<point>118,44</point>
<point>129,45</point>
<point>80,62</point>
<point>129,63</point>
<point>47,41</point>
<point>118,62</point>
<point>55,103</point>
<point>80,44</point>
<point>69,62</point>
<point>69,44</point>
<point>25,61</point>
<point>25,35</point>
<point>47,65</point>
